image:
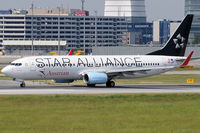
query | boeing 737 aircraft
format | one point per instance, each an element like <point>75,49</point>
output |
<point>103,69</point>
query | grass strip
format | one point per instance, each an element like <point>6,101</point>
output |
<point>188,69</point>
<point>139,113</point>
<point>162,79</point>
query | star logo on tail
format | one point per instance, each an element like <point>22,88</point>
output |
<point>179,42</point>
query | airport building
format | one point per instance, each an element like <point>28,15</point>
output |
<point>193,7</point>
<point>133,9</point>
<point>72,29</point>
<point>163,29</point>
<point>142,33</point>
<point>139,31</point>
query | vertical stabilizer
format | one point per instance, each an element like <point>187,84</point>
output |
<point>177,44</point>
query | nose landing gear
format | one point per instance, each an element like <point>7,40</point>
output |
<point>23,84</point>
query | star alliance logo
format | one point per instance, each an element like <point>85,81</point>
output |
<point>179,42</point>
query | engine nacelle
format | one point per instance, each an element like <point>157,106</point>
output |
<point>95,78</point>
<point>63,80</point>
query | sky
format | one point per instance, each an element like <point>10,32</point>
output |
<point>155,9</point>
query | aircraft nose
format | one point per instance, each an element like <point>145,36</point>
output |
<point>6,71</point>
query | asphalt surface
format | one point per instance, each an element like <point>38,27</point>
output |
<point>12,88</point>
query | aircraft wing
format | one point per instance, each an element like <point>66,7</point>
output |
<point>136,70</point>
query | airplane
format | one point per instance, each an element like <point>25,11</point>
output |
<point>103,69</point>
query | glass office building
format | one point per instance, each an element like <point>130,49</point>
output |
<point>125,8</point>
<point>139,31</point>
<point>193,7</point>
<point>133,9</point>
<point>143,32</point>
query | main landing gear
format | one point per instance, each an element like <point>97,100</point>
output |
<point>23,84</point>
<point>91,85</point>
<point>110,84</point>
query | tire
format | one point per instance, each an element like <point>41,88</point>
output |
<point>91,85</point>
<point>110,84</point>
<point>22,85</point>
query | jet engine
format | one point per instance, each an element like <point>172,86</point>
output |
<point>95,78</point>
<point>63,80</point>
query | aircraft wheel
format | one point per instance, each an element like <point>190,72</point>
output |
<point>91,85</point>
<point>22,84</point>
<point>110,84</point>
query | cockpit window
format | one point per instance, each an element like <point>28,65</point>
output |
<point>16,64</point>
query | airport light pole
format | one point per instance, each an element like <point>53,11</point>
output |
<point>95,27</point>
<point>84,35</point>
<point>59,31</point>
<point>83,4</point>
<point>32,46</point>
<point>82,8</point>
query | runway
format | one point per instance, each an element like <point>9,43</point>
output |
<point>12,88</point>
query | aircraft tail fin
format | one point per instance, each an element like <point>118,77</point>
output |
<point>70,52</point>
<point>177,44</point>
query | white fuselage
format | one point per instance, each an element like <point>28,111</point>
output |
<point>73,67</point>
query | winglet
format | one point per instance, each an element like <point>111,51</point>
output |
<point>70,52</point>
<point>187,60</point>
